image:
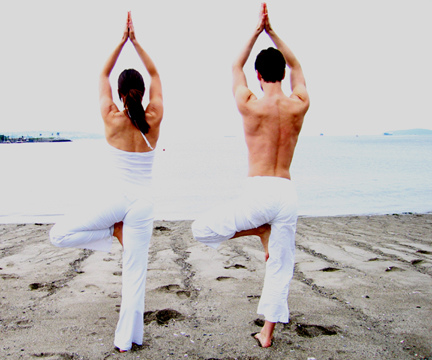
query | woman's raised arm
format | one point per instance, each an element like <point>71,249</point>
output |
<point>155,90</point>
<point>105,92</point>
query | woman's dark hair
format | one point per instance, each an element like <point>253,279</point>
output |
<point>131,87</point>
<point>270,63</point>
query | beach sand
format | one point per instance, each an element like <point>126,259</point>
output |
<point>362,289</point>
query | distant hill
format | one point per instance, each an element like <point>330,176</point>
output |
<point>410,132</point>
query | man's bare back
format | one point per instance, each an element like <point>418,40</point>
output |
<point>272,123</point>
<point>272,126</point>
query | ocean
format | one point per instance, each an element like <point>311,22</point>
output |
<point>346,175</point>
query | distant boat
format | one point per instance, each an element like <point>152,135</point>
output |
<point>388,133</point>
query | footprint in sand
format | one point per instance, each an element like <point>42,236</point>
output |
<point>224,278</point>
<point>162,317</point>
<point>235,266</point>
<point>161,229</point>
<point>183,294</point>
<point>305,330</point>
<point>424,252</point>
<point>49,355</point>
<point>24,324</point>
<point>258,322</point>
<point>9,276</point>
<point>416,261</point>
<point>35,286</point>
<point>253,297</point>
<point>330,269</point>
<point>174,289</point>
<point>91,286</point>
<point>393,268</point>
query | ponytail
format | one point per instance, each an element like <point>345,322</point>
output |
<point>135,110</point>
<point>131,87</point>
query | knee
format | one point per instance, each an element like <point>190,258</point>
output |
<point>56,237</point>
<point>200,231</point>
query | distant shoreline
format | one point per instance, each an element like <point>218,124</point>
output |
<point>409,132</point>
<point>22,140</point>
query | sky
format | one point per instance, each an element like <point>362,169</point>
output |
<point>367,63</point>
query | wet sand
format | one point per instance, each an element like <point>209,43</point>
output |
<point>362,289</point>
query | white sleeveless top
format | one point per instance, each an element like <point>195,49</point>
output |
<point>134,168</point>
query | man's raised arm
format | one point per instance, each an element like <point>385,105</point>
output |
<point>239,78</point>
<point>298,82</point>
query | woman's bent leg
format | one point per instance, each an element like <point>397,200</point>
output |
<point>91,226</point>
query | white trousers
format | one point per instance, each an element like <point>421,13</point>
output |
<point>92,227</point>
<point>265,200</point>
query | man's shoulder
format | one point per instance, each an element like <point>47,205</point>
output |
<point>244,97</point>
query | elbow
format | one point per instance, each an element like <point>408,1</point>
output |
<point>236,66</point>
<point>103,76</point>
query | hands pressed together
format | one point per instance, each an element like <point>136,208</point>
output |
<point>129,31</point>
<point>264,22</point>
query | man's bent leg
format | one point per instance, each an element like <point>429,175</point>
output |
<point>263,232</point>
<point>118,232</point>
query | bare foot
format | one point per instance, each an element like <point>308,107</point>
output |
<point>264,235</point>
<point>118,233</point>
<point>263,232</point>
<point>263,341</point>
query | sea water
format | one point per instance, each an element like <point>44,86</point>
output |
<point>333,175</point>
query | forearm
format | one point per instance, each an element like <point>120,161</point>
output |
<point>146,60</point>
<point>289,56</point>
<point>109,64</point>
<point>244,54</point>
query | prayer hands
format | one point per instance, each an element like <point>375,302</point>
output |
<point>129,30</point>
<point>267,25</point>
<point>262,19</point>
<point>126,31</point>
<point>264,22</point>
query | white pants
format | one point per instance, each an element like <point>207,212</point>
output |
<point>92,228</point>
<point>266,200</point>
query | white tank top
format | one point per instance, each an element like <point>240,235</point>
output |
<point>133,168</point>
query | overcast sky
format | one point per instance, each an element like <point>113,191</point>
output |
<point>367,63</point>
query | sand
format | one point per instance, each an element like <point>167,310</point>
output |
<point>362,289</point>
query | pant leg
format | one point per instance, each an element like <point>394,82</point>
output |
<point>273,303</point>
<point>90,226</point>
<point>137,231</point>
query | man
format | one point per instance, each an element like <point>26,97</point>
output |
<point>268,208</point>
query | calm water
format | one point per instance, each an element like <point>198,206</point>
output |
<point>333,175</point>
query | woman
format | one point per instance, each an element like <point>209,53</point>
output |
<point>127,212</point>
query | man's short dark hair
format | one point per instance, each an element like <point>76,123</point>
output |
<point>270,63</point>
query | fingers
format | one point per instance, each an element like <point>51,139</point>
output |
<point>130,23</point>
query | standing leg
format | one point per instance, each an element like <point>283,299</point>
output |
<point>265,336</point>
<point>137,231</point>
